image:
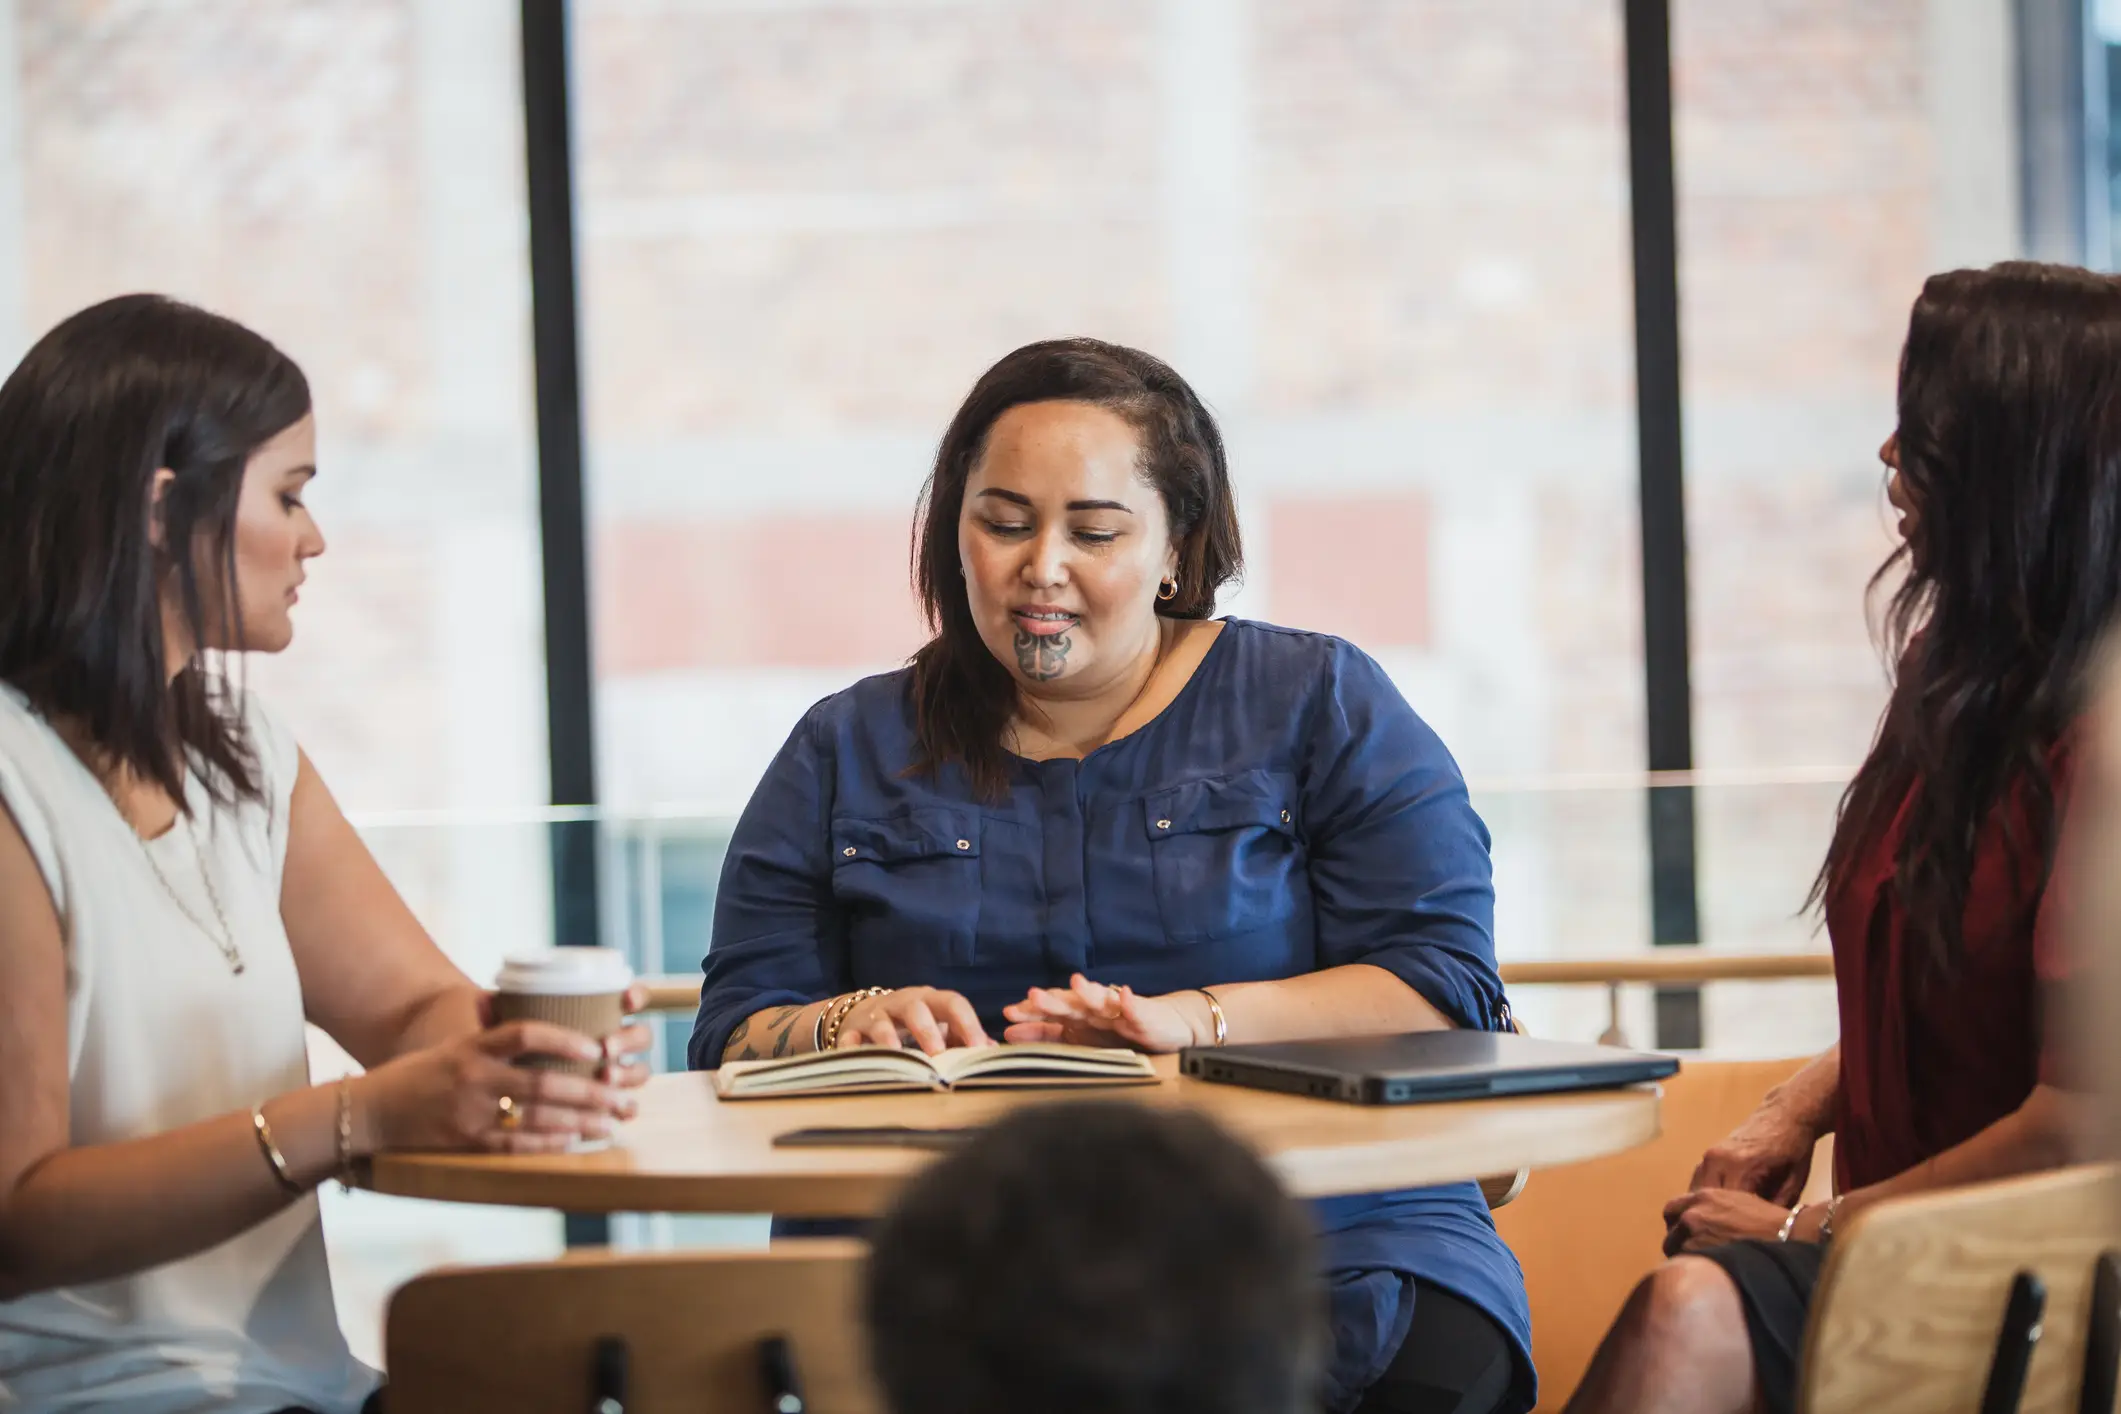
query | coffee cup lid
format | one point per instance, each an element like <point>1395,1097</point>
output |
<point>565,972</point>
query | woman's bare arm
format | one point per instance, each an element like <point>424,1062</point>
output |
<point>1809,1096</point>
<point>777,1031</point>
<point>2049,1131</point>
<point>371,976</point>
<point>1770,1153</point>
<point>1355,999</point>
<point>74,1215</point>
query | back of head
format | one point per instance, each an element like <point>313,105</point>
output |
<point>91,562</point>
<point>1097,1258</point>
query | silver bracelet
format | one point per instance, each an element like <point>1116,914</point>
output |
<point>1790,1222</point>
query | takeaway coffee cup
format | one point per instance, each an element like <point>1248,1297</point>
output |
<point>583,989</point>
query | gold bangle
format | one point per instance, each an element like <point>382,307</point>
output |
<point>1215,1009</point>
<point>345,1134</point>
<point>835,1012</point>
<point>839,1009</point>
<point>842,1007</point>
<point>822,1029</point>
<point>273,1155</point>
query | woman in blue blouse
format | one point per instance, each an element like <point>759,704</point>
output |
<point>1089,812</point>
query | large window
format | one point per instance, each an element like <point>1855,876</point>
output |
<point>346,177</point>
<point>1830,157</point>
<point>1387,239</point>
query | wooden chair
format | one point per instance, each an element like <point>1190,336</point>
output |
<point>1910,1303</point>
<point>524,1338</point>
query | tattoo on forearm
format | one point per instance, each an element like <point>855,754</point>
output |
<point>776,1036</point>
<point>1041,659</point>
<point>784,1037</point>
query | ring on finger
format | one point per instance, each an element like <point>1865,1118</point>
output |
<point>508,1114</point>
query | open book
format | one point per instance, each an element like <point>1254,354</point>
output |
<point>861,1069</point>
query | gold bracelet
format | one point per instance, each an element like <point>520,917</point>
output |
<point>273,1155</point>
<point>345,1134</point>
<point>1215,1008</point>
<point>829,1020</point>
<point>845,1005</point>
<point>838,1017</point>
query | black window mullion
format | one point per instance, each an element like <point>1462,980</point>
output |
<point>1668,701</point>
<point>562,518</point>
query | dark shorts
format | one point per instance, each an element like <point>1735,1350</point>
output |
<point>1455,1360</point>
<point>1775,1281</point>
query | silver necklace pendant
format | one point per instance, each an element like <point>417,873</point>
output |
<point>225,939</point>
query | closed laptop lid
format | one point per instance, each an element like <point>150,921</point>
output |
<point>1444,1056</point>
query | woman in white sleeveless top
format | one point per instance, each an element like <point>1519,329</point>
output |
<point>178,892</point>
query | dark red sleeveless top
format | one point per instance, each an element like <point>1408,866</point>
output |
<point>1927,1063</point>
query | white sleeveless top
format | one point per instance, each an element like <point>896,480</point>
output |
<point>161,1033</point>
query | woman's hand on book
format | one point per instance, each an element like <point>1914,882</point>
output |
<point>1088,1013</point>
<point>928,1018</point>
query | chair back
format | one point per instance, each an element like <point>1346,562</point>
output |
<point>1911,1300</point>
<point>525,1338</point>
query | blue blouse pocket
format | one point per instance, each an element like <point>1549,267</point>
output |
<point>1226,853</point>
<point>911,886</point>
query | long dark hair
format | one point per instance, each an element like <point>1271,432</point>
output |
<point>962,697</point>
<point>99,405</point>
<point>2010,453</point>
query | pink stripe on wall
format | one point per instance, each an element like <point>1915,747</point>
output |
<point>1357,567</point>
<point>790,590</point>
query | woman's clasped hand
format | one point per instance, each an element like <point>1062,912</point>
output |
<point>473,1092</point>
<point>1711,1217</point>
<point>1087,1013</point>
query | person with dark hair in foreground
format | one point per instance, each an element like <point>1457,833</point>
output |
<point>1092,812</point>
<point>1097,1258</point>
<point>2006,473</point>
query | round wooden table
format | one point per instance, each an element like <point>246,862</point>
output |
<point>689,1152</point>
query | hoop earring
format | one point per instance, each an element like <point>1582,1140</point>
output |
<point>1167,590</point>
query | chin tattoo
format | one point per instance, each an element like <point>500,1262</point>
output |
<point>1042,658</point>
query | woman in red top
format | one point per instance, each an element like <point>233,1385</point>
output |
<point>2006,473</point>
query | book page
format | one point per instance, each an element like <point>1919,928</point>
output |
<point>1042,1058</point>
<point>858,1065</point>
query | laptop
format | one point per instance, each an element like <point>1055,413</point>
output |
<point>1424,1066</point>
